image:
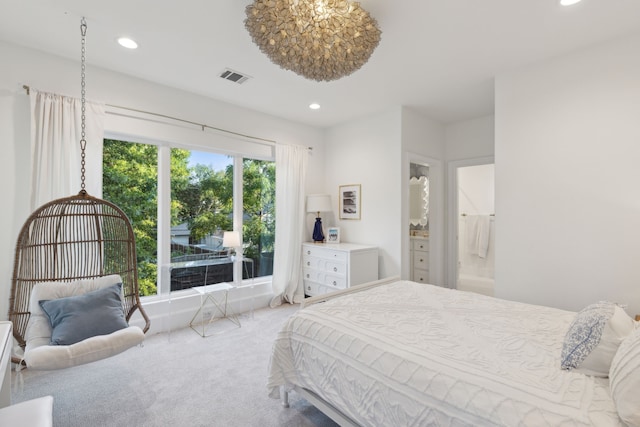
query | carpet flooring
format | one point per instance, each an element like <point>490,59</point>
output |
<point>177,379</point>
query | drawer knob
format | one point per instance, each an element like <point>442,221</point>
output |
<point>308,252</point>
<point>421,260</point>
<point>334,283</point>
<point>308,288</point>
<point>335,269</point>
<point>307,275</point>
<point>309,263</point>
<point>421,246</point>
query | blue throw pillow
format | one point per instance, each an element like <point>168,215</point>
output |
<point>585,333</point>
<point>79,317</point>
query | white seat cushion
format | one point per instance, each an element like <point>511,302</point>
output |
<point>33,413</point>
<point>39,354</point>
<point>48,357</point>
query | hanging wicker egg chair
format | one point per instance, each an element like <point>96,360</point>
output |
<point>69,239</point>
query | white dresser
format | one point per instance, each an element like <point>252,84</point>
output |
<point>420,259</point>
<point>327,267</point>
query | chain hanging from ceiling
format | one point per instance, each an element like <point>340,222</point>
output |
<point>83,102</point>
<point>321,40</point>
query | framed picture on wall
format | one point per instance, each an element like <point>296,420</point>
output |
<point>333,235</point>
<point>350,198</point>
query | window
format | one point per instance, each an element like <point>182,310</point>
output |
<point>201,208</point>
<point>259,221</point>
<point>130,180</point>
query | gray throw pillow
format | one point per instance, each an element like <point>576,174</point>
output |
<point>79,317</point>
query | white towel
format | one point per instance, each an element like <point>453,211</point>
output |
<point>478,227</point>
<point>484,224</point>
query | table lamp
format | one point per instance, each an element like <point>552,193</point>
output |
<point>318,203</point>
<point>231,239</point>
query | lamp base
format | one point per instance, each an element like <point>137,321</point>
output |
<point>318,235</point>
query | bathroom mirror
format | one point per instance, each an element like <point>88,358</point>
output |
<point>419,197</point>
<point>419,201</point>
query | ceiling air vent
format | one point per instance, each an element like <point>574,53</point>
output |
<point>234,76</point>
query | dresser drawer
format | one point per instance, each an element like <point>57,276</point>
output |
<point>336,268</point>
<point>312,288</point>
<point>420,245</point>
<point>325,253</point>
<point>335,282</point>
<point>421,276</point>
<point>421,260</point>
<point>313,262</point>
<point>313,275</point>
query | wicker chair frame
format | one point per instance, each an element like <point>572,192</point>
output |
<point>72,238</point>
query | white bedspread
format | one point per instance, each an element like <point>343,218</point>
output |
<point>409,354</point>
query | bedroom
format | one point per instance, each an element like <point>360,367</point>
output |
<point>564,136</point>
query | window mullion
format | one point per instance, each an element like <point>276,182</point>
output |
<point>238,212</point>
<point>164,217</point>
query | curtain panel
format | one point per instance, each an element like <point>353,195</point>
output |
<point>291,172</point>
<point>56,131</point>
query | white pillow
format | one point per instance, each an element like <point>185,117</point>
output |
<point>624,379</point>
<point>593,338</point>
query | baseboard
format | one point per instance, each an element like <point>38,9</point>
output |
<point>175,311</point>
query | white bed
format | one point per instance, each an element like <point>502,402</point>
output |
<point>409,354</point>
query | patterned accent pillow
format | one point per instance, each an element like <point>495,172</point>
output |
<point>585,333</point>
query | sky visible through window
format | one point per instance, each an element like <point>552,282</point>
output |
<point>215,161</point>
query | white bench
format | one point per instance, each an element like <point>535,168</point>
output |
<point>36,412</point>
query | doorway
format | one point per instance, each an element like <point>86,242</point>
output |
<point>419,222</point>
<point>472,239</point>
<point>422,226</point>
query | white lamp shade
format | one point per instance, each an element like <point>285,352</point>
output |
<point>318,203</point>
<point>231,239</point>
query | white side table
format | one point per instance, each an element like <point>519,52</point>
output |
<point>216,297</point>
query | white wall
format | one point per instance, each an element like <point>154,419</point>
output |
<point>54,74</point>
<point>567,179</point>
<point>470,139</point>
<point>367,152</point>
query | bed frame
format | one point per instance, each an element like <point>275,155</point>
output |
<point>325,407</point>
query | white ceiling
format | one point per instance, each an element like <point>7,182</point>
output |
<point>437,56</point>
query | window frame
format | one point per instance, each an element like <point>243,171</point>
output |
<point>163,287</point>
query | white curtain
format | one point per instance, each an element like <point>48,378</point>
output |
<point>56,132</point>
<point>291,167</point>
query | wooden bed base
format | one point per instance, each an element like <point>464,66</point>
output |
<point>327,408</point>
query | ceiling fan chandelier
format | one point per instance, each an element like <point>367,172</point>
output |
<point>321,40</point>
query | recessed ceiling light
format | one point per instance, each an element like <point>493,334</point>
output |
<point>127,42</point>
<point>314,106</point>
<point>568,2</point>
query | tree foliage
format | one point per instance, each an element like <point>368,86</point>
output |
<point>259,207</point>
